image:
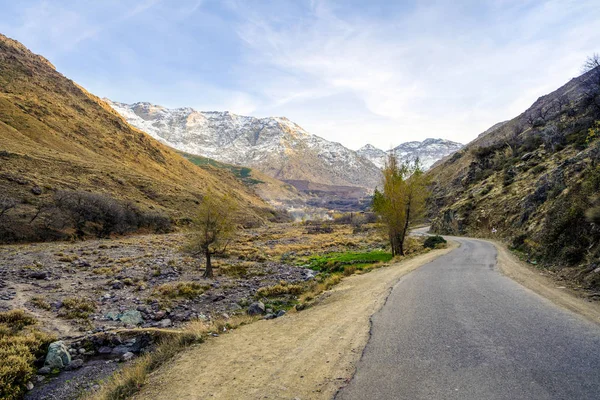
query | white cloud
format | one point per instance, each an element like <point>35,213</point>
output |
<point>426,73</point>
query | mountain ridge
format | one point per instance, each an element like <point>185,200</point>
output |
<point>429,151</point>
<point>274,145</point>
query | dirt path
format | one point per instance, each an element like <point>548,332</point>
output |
<point>545,286</point>
<point>306,355</point>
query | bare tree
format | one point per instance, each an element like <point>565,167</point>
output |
<point>215,227</point>
<point>591,80</point>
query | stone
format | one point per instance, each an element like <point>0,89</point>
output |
<point>159,315</point>
<point>165,323</point>
<point>77,363</point>
<point>29,386</point>
<point>58,356</point>
<point>105,350</point>
<point>38,275</point>
<point>131,317</point>
<point>127,356</point>
<point>112,315</point>
<point>36,190</point>
<point>270,316</point>
<point>256,308</point>
<point>120,350</point>
<point>281,313</point>
<point>82,351</point>
<point>44,370</point>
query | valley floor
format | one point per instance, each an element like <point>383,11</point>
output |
<point>305,355</point>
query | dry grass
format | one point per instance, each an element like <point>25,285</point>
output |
<point>76,308</point>
<point>132,377</point>
<point>20,344</point>
<point>182,289</point>
<point>280,289</point>
<point>40,303</point>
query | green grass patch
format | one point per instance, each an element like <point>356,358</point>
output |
<point>338,262</point>
<point>242,173</point>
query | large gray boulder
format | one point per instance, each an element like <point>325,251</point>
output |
<point>58,355</point>
<point>131,317</point>
<point>256,308</point>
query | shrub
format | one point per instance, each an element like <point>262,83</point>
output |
<point>280,289</point>
<point>20,345</point>
<point>183,289</point>
<point>433,241</point>
<point>76,308</point>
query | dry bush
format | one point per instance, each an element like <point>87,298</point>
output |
<point>182,289</point>
<point>76,308</point>
<point>20,345</point>
<point>280,289</point>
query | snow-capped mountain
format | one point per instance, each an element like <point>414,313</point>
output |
<point>428,151</point>
<point>275,146</point>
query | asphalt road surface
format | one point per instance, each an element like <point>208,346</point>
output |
<point>457,328</point>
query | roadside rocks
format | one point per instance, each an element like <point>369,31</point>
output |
<point>256,308</point>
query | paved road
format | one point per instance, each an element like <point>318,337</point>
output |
<point>458,329</point>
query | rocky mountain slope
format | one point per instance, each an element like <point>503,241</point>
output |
<point>533,181</point>
<point>58,140</point>
<point>428,151</point>
<point>275,146</point>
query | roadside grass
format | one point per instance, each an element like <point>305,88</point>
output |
<point>21,343</point>
<point>132,377</point>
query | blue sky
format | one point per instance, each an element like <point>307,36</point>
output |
<point>357,72</point>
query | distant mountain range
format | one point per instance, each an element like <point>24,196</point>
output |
<point>275,146</point>
<point>428,151</point>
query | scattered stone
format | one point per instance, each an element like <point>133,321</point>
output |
<point>131,317</point>
<point>165,323</point>
<point>58,356</point>
<point>29,386</point>
<point>38,275</point>
<point>281,313</point>
<point>127,356</point>
<point>105,350</point>
<point>82,351</point>
<point>270,316</point>
<point>159,315</point>
<point>256,308</point>
<point>36,190</point>
<point>75,364</point>
<point>44,370</point>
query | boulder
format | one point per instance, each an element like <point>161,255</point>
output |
<point>58,356</point>
<point>131,317</point>
<point>165,323</point>
<point>127,356</point>
<point>256,308</point>
<point>281,313</point>
<point>78,363</point>
<point>44,370</point>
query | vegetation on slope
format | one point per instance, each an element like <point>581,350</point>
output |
<point>534,182</point>
<point>56,136</point>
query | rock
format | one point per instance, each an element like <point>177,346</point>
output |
<point>165,323</point>
<point>105,350</point>
<point>77,363</point>
<point>281,313</point>
<point>36,190</point>
<point>82,351</point>
<point>131,317</point>
<point>159,315</point>
<point>29,386</point>
<point>120,350</point>
<point>112,315</point>
<point>270,316</point>
<point>44,370</point>
<point>117,285</point>
<point>127,356</point>
<point>256,308</point>
<point>38,275</point>
<point>58,356</point>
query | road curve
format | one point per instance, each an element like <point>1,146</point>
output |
<point>457,328</point>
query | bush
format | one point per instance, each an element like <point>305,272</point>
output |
<point>280,289</point>
<point>183,289</point>
<point>76,308</point>
<point>20,345</point>
<point>432,241</point>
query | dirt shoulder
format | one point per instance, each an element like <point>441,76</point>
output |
<point>545,286</point>
<point>305,355</point>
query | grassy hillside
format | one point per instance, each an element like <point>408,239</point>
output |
<point>534,182</point>
<point>55,136</point>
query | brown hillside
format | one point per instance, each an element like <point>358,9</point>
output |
<point>533,181</point>
<point>55,135</point>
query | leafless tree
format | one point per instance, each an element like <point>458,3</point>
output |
<point>591,80</point>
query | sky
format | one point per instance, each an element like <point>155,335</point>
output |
<point>381,72</point>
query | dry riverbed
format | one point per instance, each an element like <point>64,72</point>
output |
<point>83,292</point>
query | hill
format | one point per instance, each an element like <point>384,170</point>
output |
<point>275,146</point>
<point>534,182</point>
<point>59,142</point>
